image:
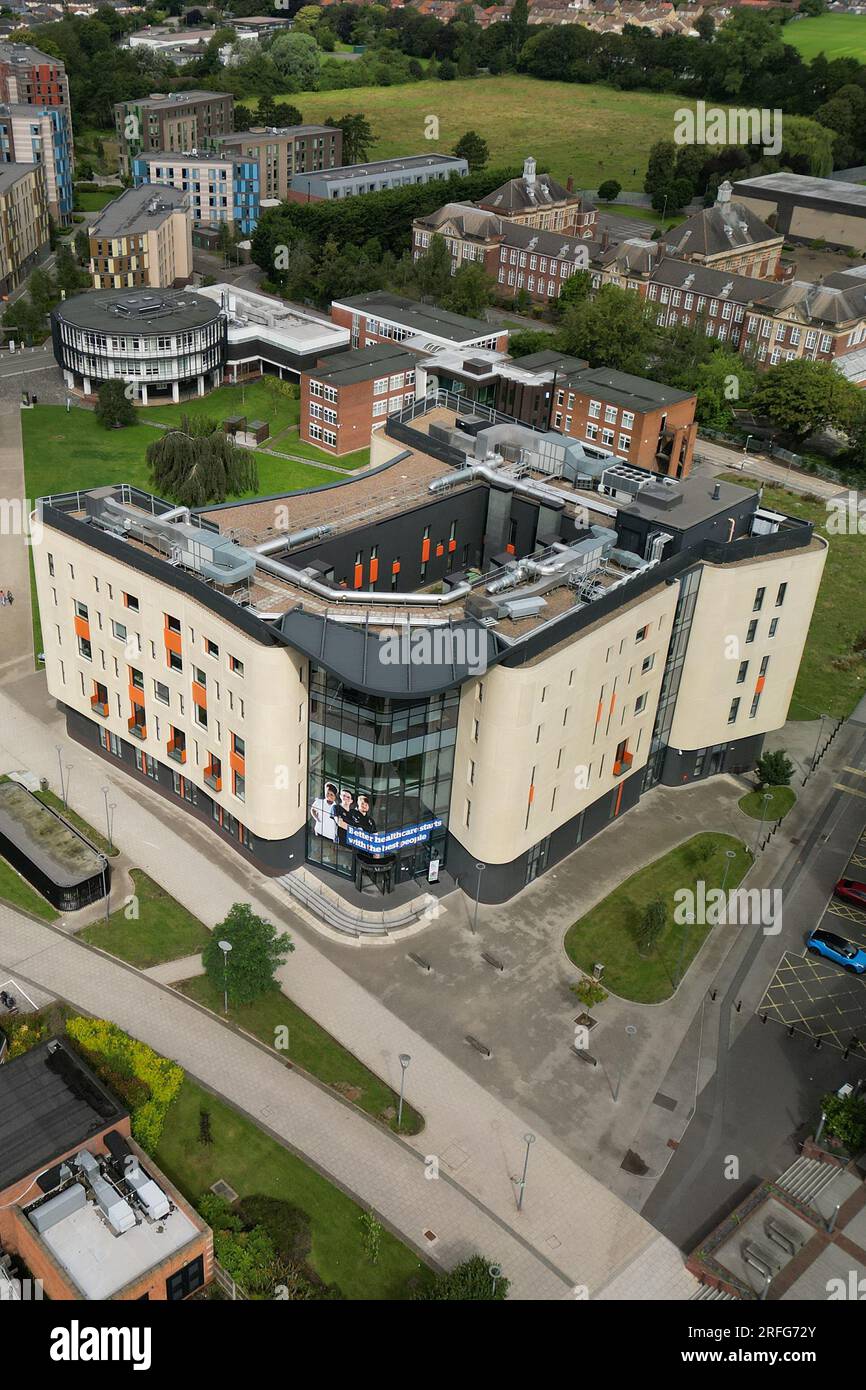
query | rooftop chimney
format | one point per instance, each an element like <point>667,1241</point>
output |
<point>529,170</point>
<point>724,193</point>
<point>717,492</point>
<point>569,183</point>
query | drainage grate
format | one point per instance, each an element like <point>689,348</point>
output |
<point>221,1189</point>
<point>431,1236</point>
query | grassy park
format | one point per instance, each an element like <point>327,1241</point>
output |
<point>609,931</point>
<point>163,929</point>
<point>834,35</point>
<point>780,803</point>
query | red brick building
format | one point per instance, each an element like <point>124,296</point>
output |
<point>648,425</point>
<point>382,317</point>
<point>82,1208</point>
<point>345,396</point>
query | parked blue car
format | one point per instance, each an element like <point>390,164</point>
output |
<point>836,948</point>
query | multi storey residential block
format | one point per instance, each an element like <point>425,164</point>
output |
<point>24,223</point>
<point>482,650</point>
<point>181,121</point>
<point>32,78</point>
<point>218,187</point>
<point>345,396</point>
<point>31,134</point>
<point>282,154</point>
<point>144,237</point>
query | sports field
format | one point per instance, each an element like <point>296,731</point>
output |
<point>591,132</point>
<point>835,35</point>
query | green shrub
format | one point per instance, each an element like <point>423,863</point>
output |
<point>846,1120</point>
<point>287,1226</point>
<point>470,1281</point>
<point>146,1082</point>
<point>589,992</point>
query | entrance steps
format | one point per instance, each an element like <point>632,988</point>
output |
<point>328,907</point>
<point>806,1179</point>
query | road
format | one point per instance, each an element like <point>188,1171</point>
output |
<point>766,1085</point>
<point>716,458</point>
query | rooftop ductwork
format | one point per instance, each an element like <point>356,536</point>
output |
<point>288,542</point>
<point>305,580</point>
<point>203,551</point>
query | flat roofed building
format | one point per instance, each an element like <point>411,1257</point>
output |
<point>158,340</point>
<point>286,152</point>
<point>650,425</point>
<point>42,134</point>
<point>802,207</point>
<point>380,317</point>
<point>32,77</point>
<point>173,123</point>
<point>24,222</point>
<point>481,610</point>
<point>67,1208</point>
<point>144,237</point>
<point>264,333</point>
<point>343,398</point>
<point>375,176</point>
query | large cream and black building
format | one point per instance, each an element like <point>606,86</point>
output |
<point>484,649</point>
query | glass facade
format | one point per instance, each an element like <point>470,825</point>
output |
<point>377,765</point>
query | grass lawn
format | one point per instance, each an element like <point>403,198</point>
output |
<point>17,892</point>
<point>95,199</point>
<point>253,1163</point>
<point>608,932</point>
<point>591,132</point>
<point>163,930</point>
<point>255,400</point>
<point>640,214</point>
<point>94,836</point>
<point>782,799</point>
<point>836,35</point>
<point>832,675</point>
<point>311,1047</point>
<point>292,444</point>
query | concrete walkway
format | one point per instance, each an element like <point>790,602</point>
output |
<point>16,631</point>
<point>591,1237</point>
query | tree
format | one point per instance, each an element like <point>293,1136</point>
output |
<point>24,321</point>
<point>473,149</point>
<point>258,950</point>
<point>82,247</point>
<point>706,27</point>
<point>197,463</point>
<point>447,70</point>
<point>652,924</point>
<point>774,769</point>
<point>358,136</point>
<point>68,275</point>
<point>528,340</point>
<point>802,397</point>
<point>114,409</point>
<point>723,382</point>
<point>574,289</point>
<point>43,290</point>
<point>471,291</point>
<point>518,26</point>
<point>469,1282</point>
<point>612,330</point>
<point>433,270</point>
<point>609,191</point>
<point>846,1120</point>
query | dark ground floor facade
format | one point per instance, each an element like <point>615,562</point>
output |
<point>404,794</point>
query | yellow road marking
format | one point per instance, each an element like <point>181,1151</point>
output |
<point>852,791</point>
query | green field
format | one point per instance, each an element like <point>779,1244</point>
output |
<point>835,35</point>
<point>67,450</point>
<point>591,132</point>
<point>95,199</point>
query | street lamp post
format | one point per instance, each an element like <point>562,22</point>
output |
<point>108,820</point>
<point>529,1140</point>
<point>62,784</point>
<point>730,856</point>
<point>630,1032</point>
<point>404,1059</point>
<point>480,867</point>
<point>768,797</point>
<point>495,1272</point>
<point>105,885</point>
<point>747,443</point>
<point>225,947</point>
<point>818,743</point>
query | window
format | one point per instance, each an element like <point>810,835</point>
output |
<point>475,727</point>
<point>172,624</point>
<point>211,648</point>
<point>641,633</point>
<point>161,692</point>
<point>85,649</point>
<point>130,602</point>
<point>200,715</point>
<point>238,746</point>
<point>175,662</point>
<point>236,666</point>
<point>743,671</point>
<point>733,711</point>
<point>110,742</point>
<point>136,679</point>
<point>80,609</point>
<point>647,664</point>
<point>753,628</point>
<point>780,596</point>
<point>754,710</point>
<point>759,600</point>
<point>51,565</point>
<point>640,704</point>
<point>185,1281</point>
<point>774,623</point>
<point>119,630</point>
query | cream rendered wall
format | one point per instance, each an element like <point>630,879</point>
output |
<point>717,645</point>
<point>560,695</point>
<point>267,706</point>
